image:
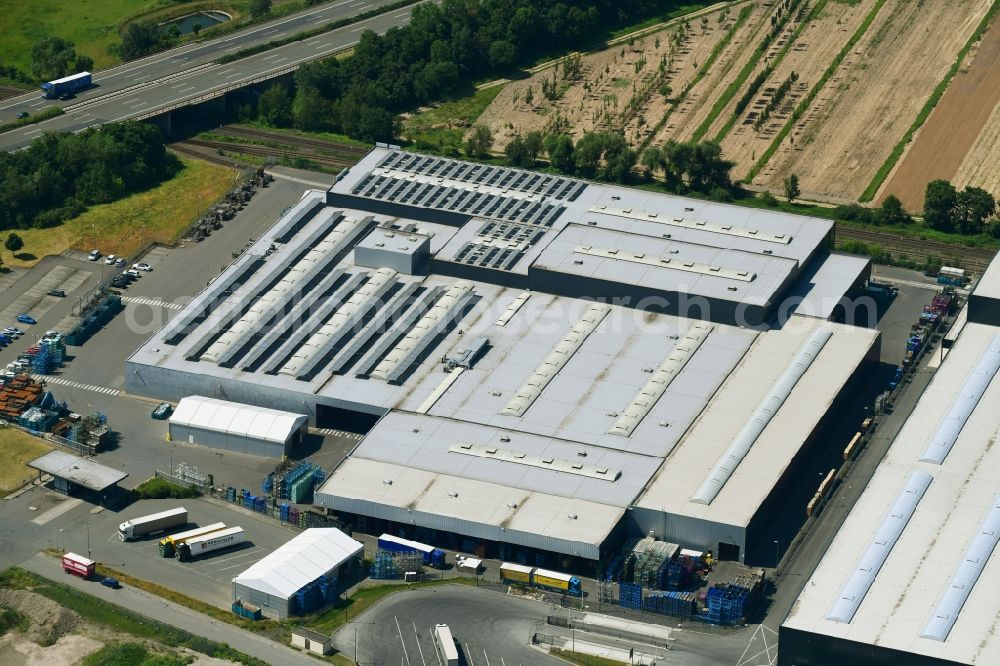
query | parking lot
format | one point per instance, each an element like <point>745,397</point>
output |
<point>206,578</point>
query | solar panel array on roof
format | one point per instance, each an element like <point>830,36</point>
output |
<point>963,404</point>
<point>531,182</point>
<point>527,209</point>
<point>769,406</point>
<point>969,569</point>
<point>857,586</point>
<point>499,245</point>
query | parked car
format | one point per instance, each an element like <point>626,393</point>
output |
<point>13,331</point>
<point>120,283</point>
<point>128,275</point>
<point>120,262</point>
<point>111,582</point>
<point>57,292</point>
<point>134,274</point>
<point>22,115</point>
<point>94,255</point>
<point>110,259</point>
<point>26,319</point>
<point>162,411</point>
<point>6,339</point>
<point>142,267</point>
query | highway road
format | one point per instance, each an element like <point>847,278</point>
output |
<point>189,71</point>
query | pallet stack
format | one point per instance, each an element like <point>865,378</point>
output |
<point>674,604</point>
<point>630,596</point>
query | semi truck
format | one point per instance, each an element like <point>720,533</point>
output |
<point>78,565</point>
<point>67,85</point>
<point>168,545</point>
<point>158,522</point>
<point>433,557</point>
<point>444,645</point>
<point>209,543</point>
<point>541,578</point>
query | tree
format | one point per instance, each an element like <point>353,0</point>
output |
<point>502,55</point>
<point>275,106</point>
<point>141,38</point>
<point>260,8</point>
<point>533,141</point>
<point>891,213</point>
<point>480,142</point>
<point>516,152</point>
<point>560,150</point>
<point>651,160</point>
<point>940,199</point>
<point>973,207</point>
<point>83,63</point>
<point>792,190</point>
<point>13,243</point>
<point>51,58</point>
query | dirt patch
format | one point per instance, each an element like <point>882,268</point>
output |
<point>620,88</point>
<point>867,105</point>
<point>49,620</point>
<point>979,167</point>
<point>16,650</point>
<point>944,144</point>
<point>816,46</point>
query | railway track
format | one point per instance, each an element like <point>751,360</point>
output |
<point>290,140</point>
<point>208,156</point>
<point>917,249</point>
<point>335,162</point>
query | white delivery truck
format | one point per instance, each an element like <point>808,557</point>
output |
<point>210,543</point>
<point>444,644</point>
<point>157,522</point>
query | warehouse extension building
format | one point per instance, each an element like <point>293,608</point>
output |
<point>912,576</point>
<point>439,307</point>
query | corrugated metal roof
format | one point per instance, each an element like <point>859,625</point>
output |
<point>236,418</point>
<point>314,553</point>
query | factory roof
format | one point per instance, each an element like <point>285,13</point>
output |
<point>400,493</point>
<point>81,471</point>
<point>705,457</point>
<point>825,282</point>
<point>311,554</point>
<point>913,568</point>
<point>235,418</point>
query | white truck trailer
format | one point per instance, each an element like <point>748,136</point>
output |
<point>210,543</point>
<point>157,522</point>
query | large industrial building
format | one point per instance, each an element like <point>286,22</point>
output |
<point>912,576</point>
<point>542,365</point>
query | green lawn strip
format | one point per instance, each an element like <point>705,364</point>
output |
<point>329,621</point>
<point>929,105</point>
<point>731,90</point>
<point>47,114</point>
<point>773,67</point>
<point>461,112</point>
<point>702,72</point>
<point>813,92</point>
<point>101,612</point>
<point>306,34</point>
<point>585,659</point>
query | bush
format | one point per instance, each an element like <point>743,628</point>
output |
<point>162,489</point>
<point>11,619</point>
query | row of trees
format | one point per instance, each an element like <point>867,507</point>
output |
<point>697,166</point>
<point>55,57</point>
<point>443,47</point>
<point>970,211</point>
<point>59,175</point>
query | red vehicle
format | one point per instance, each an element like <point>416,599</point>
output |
<point>78,565</point>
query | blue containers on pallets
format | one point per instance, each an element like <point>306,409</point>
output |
<point>674,604</point>
<point>726,604</point>
<point>630,596</point>
<point>384,566</point>
<point>315,596</point>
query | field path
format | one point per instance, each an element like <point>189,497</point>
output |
<point>952,128</point>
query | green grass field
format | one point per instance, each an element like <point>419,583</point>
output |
<point>445,124</point>
<point>18,448</point>
<point>159,214</point>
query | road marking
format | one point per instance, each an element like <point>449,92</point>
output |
<point>35,131</point>
<point>402,642</point>
<point>59,381</point>
<point>182,90</point>
<point>360,28</point>
<point>403,13</point>
<point>232,75</point>
<point>336,433</point>
<point>56,511</point>
<point>226,71</point>
<point>280,60</point>
<point>140,300</point>
<point>315,41</point>
<point>469,652</point>
<point>420,649</point>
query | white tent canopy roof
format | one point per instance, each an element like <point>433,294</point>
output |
<point>235,418</point>
<point>299,562</point>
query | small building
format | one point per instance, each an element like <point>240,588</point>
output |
<point>300,576</point>
<point>402,250</point>
<point>220,424</point>
<point>312,641</point>
<point>77,476</point>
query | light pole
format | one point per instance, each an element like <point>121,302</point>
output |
<point>88,540</point>
<point>62,539</point>
<point>776,559</point>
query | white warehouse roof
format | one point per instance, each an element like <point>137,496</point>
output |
<point>935,593</point>
<point>302,560</point>
<point>234,418</point>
